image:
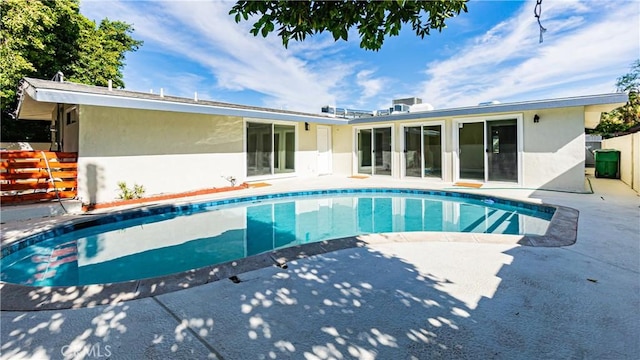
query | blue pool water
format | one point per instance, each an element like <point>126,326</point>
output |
<point>174,239</point>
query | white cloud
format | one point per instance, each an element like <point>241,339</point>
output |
<point>370,86</point>
<point>585,44</point>
<point>206,34</point>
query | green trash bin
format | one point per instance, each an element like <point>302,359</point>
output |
<point>607,163</point>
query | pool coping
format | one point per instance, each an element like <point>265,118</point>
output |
<point>562,231</point>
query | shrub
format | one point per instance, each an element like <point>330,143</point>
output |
<point>127,194</point>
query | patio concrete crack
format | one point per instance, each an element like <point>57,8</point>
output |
<point>600,260</point>
<point>194,333</point>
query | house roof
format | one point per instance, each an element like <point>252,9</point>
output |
<point>594,105</point>
<point>42,95</point>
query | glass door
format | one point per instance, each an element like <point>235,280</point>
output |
<point>382,151</point>
<point>432,151</point>
<point>471,150</point>
<point>502,152</point>
<point>413,151</point>
<point>270,149</point>
<point>374,151</point>
<point>259,148</point>
<point>365,151</point>
<point>423,151</point>
<point>284,148</point>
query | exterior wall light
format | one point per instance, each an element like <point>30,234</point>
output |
<point>306,126</point>
<point>536,118</point>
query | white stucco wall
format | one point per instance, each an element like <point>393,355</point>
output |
<point>629,147</point>
<point>175,152</point>
<point>307,154</point>
<point>166,152</point>
<point>554,149</point>
<point>342,146</point>
<point>636,162</point>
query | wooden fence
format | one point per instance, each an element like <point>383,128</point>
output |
<point>25,177</point>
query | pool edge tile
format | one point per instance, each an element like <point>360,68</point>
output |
<point>562,231</point>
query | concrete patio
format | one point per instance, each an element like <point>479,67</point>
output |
<point>387,300</point>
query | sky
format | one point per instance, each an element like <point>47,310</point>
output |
<point>492,52</point>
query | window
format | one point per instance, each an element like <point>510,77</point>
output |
<point>270,148</point>
<point>71,115</point>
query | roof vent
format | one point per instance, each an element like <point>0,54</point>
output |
<point>407,101</point>
<point>59,77</point>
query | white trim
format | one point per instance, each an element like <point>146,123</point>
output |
<point>267,121</point>
<point>443,143</point>
<point>484,119</point>
<point>130,102</point>
<point>54,92</point>
<point>244,149</point>
<point>520,147</point>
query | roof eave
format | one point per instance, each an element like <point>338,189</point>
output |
<point>29,107</point>
<point>614,99</point>
<point>49,96</point>
<point>72,97</point>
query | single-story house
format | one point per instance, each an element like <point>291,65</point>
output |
<point>170,144</point>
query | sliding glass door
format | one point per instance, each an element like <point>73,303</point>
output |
<point>270,149</point>
<point>471,151</point>
<point>259,149</point>
<point>365,151</point>
<point>374,151</point>
<point>502,157</point>
<point>488,150</point>
<point>284,142</point>
<point>423,151</point>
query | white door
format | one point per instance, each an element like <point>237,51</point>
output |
<point>324,150</point>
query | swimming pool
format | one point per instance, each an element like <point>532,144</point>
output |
<point>170,239</point>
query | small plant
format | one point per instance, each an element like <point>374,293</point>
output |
<point>127,194</point>
<point>230,179</point>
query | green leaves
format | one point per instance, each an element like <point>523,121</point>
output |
<point>375,20</point>
<point>630,80</point>
<point>39,38</point>
<point>628,115</point>
<point>101,53</point>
